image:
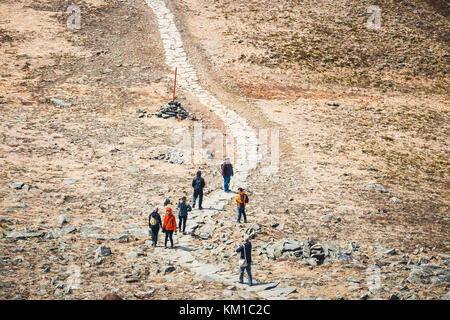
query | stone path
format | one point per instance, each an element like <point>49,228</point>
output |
<point>187,252</point>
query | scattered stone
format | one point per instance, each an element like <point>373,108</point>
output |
<point>396,200</point>
<point>17,185</point>
<point>69,181</point>
<point>60,103</point>
<point>122,239</point>
<point>64,218</point>
<point>423,261</point>
<point>377,186</point>
<point>168,269</point>
<point>102,251</point>
<point>391,252</point>
<point>59,232</point>
<point>327,218</point>
<point>23,235</point>
<point>132,280</point>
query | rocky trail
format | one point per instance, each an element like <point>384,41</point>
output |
<point>246,141</point>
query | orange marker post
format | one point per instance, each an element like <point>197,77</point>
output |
<point>174,84</point>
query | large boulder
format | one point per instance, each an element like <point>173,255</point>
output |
<point>23,235</point>
<point>308,251</point>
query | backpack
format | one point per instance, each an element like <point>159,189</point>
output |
<point>153,221</point>
<point>198,183</point>
<point>245,197</point>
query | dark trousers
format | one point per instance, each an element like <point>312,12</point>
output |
<point>198,194</point>
<point>248,268</point>
<point>169,234</point>
<point>226,183</point>
<point>154,231</point>
<point>182,223</point>
<point>241,211</point>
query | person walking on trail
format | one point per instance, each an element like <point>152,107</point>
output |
<point>227,172</point>
<point>198,183</point>
<point>245,262</point>
<point>183,209</point>
<point>154,223</point>
<point>169,226</point>
<point>242,200</point>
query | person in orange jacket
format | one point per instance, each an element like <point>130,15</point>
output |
<point>170,225</point>
<point>242,200</point>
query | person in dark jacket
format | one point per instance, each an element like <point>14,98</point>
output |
<point>246,253</point>
<point>154,223</point>
<point>183,209</point>
<point>198,183</point>
<point>227,173</point>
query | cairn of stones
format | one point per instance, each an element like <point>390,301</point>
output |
<point>173,110</point>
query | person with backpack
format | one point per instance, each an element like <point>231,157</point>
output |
<point>227,173</point>
<point>154,223</point>
<point>198,183</point>
<point>169,226</point>
<point>242,200</point>
<point>245,261</point>
<point>183,209</point>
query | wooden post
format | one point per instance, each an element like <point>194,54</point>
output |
<point>174,84</point>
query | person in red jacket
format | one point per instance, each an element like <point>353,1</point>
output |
<point>170,225</point>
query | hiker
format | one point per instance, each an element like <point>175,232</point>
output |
<point>183,210</point>
<point>242,200</point>
<point>198,183</point>
<point>169,226</point>
<point>154,223</point>
<point>246,260</point>
<point>227,172</point>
